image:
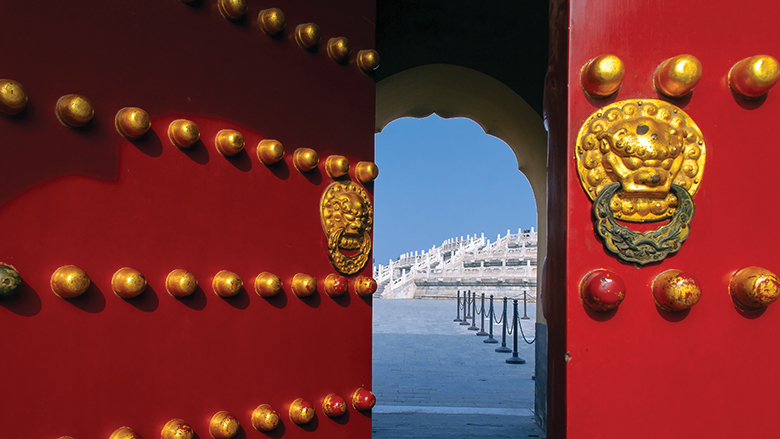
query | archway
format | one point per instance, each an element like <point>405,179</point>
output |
<point>454,91</point>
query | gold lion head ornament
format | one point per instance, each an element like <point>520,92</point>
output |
<point>347,218</point>
<point>641,161</point>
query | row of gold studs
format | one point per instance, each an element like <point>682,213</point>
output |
<point>751,288</point>
<point>224,425</point>
<point>750,78</point>
<point>273,21</point>
<point>70,281</point>
<point>133,123</point>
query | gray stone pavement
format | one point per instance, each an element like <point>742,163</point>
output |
<point>433,378</point>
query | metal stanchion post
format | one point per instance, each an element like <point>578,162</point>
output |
<point>465,321</point>
<point>491,314</point>
<point>482,332</point>
<point>457,319</point>
<point>514,359</point>
<point>525,302</point>
<point>503,347</point>
<point>473,326</point>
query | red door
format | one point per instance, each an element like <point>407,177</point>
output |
<point>663,364</point>
<point>91,200</point>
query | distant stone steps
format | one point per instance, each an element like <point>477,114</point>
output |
<point>506,267</point>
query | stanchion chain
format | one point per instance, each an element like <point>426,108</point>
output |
<point>523,334</point>
<point>499,320</point>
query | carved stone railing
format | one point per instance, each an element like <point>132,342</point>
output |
<point>509,262</point>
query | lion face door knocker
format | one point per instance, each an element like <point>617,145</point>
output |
<point>641,161</point>
<point>347,217</point>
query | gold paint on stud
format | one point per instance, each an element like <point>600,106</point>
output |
<point>307,35</point>
<point>677,76</point>
<point>74,110</point>
<point>336,166</point>
<point>176,429</point>
<point>183,133</point>
<point>180,283</point>
<point>132,122</point>
<point>602,76</point>
<point>272,21</point>
<point>65,437</point>
<point>265,418</point>
<point>69,281</point>
<point>301,412</point>
<point>223,425</point>
<point>754,287</point>
<point>363,399</point>
<point>303,285</point>
<point>365,286</point>
<point>226,283</point>
<point>368,60</point>
<point>124,433</point>
<point>339,49</point>
<point>347,217</point>
<point>229,142</point>
<point>333,405</point>
<point>270,151</point>
<point>305,159</point>
<point>366,172</point>
<point>13,98</point>
<point>232,9</point>
<point>267,284</point>
<point>128,283</point>
<point>335,285</point>
<point>675,290</point>
<point>753,77</point>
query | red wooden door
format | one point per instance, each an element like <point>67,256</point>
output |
<point>641,371</point>
<point>94,199</point>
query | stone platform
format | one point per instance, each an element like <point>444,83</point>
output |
<point>435,379</point>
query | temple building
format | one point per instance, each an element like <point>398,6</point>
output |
<point>505,267</point>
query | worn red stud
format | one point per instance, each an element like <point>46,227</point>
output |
<point>675,290</point>
<point>335,285</point>
<point>334,406</point>
<point>365,286</point>
<point>602,290</point>
<point>754,287</point>
<point>301,412</point>
<point>363,399</point>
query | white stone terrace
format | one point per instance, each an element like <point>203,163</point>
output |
<point>504,267</point>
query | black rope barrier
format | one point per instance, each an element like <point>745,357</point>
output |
<point>514,359</point>
<point>491,317</point>
<point>525,339</point>
<point>469,305</point>
<point>482,332</point>
<point>501,318</point>
<point>473,326</point>
<point>503,347</point>
<point>457,319</point>
<point>525,303</point>
<point>465,321</point>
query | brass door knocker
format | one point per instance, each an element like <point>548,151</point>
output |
<point>641,161</point>
<point>347,218</point>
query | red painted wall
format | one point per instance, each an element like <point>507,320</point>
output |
<point>710,373</point>
<point>88,197</point>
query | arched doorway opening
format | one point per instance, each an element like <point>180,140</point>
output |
<point>455,91</point>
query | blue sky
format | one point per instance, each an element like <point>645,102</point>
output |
<point>442,178</point>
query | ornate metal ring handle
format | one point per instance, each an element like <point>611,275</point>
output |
<point>651,246</point>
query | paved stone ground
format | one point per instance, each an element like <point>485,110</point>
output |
<point>433,378</point>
